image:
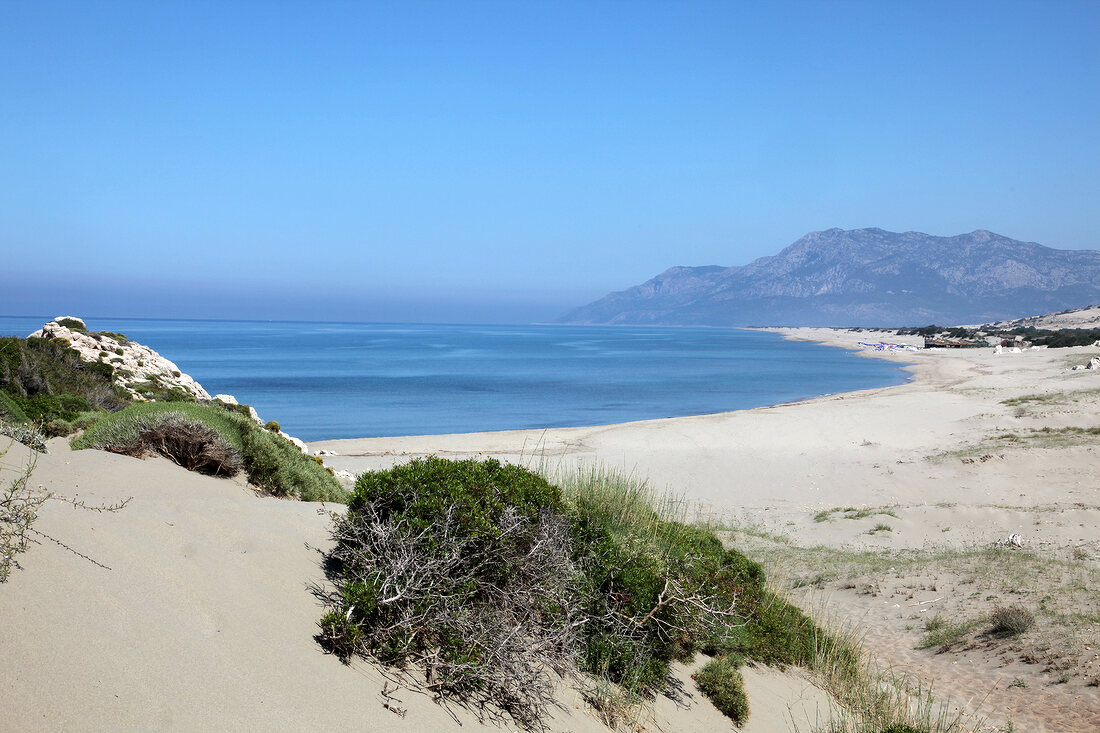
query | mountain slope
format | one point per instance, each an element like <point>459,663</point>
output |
<point>864,277</point>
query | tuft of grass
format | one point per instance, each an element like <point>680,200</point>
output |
<point>944,634</point>
<point>880,527</point>
<point>1010,620</point>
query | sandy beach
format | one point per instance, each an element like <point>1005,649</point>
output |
<point>191,607</point>
<point>942,461</point>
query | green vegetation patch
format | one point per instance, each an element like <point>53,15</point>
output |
<point>943,634</point>
<point>119,337</point>
<point>45,383</point>
<point>273,463</point>
<point>853,513</point>
<point>488,576</point>
<point>1035,438</point>
<point>153,388</point>
<point>72,324</point>
<point>720,681</point>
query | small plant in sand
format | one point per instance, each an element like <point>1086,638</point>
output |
<point>1010,620</point>
<point>943,634</point>
<point>722,683</point>
<point>19,505</point>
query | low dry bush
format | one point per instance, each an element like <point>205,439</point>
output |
<point>215,440</point>
<point>18,509</point>
<point>187,442</point>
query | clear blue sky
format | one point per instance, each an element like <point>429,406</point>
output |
<point>474,161</point>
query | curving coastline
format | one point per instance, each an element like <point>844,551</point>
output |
<point>928,452</point>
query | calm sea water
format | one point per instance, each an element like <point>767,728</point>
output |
<point>345,380</point>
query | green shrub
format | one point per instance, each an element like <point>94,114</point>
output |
<point>72,324</point>
<point>119,337</point>
<point>273,426</point>
<point>720,681</point>
<point>10,411</point>
<point>276,465</point>
<point>441,563</point>
<point>152,388</point>
<point>464,566</point>
<point>273,463</point>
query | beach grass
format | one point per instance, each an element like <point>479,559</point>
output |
<point>1057,591</point>
<point>273,463</point>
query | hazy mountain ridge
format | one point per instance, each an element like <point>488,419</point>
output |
<point>864,277</point>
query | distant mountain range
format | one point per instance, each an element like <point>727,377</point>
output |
<point>864,277</point>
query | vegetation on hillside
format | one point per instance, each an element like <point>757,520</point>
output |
<point>46,384</point>
<point>1061,338</point>
<point>217,440</point>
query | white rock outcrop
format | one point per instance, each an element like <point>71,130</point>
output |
<point>134,363</point>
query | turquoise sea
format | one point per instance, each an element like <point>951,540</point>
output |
<point>348,380</point>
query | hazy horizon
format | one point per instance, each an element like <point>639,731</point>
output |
<point>501,162</point>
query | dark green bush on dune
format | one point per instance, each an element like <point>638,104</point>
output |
<point>488,578</point>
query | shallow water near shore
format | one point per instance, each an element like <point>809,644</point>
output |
<point>324,381</point>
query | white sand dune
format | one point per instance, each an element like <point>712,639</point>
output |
<point>191,609</point>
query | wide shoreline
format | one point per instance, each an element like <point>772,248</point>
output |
<point>582,445</point>
<point>929,477</point>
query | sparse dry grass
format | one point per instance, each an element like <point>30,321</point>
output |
<point>1059,589</point>
<point>19,505</point>
<point>997,444</point>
